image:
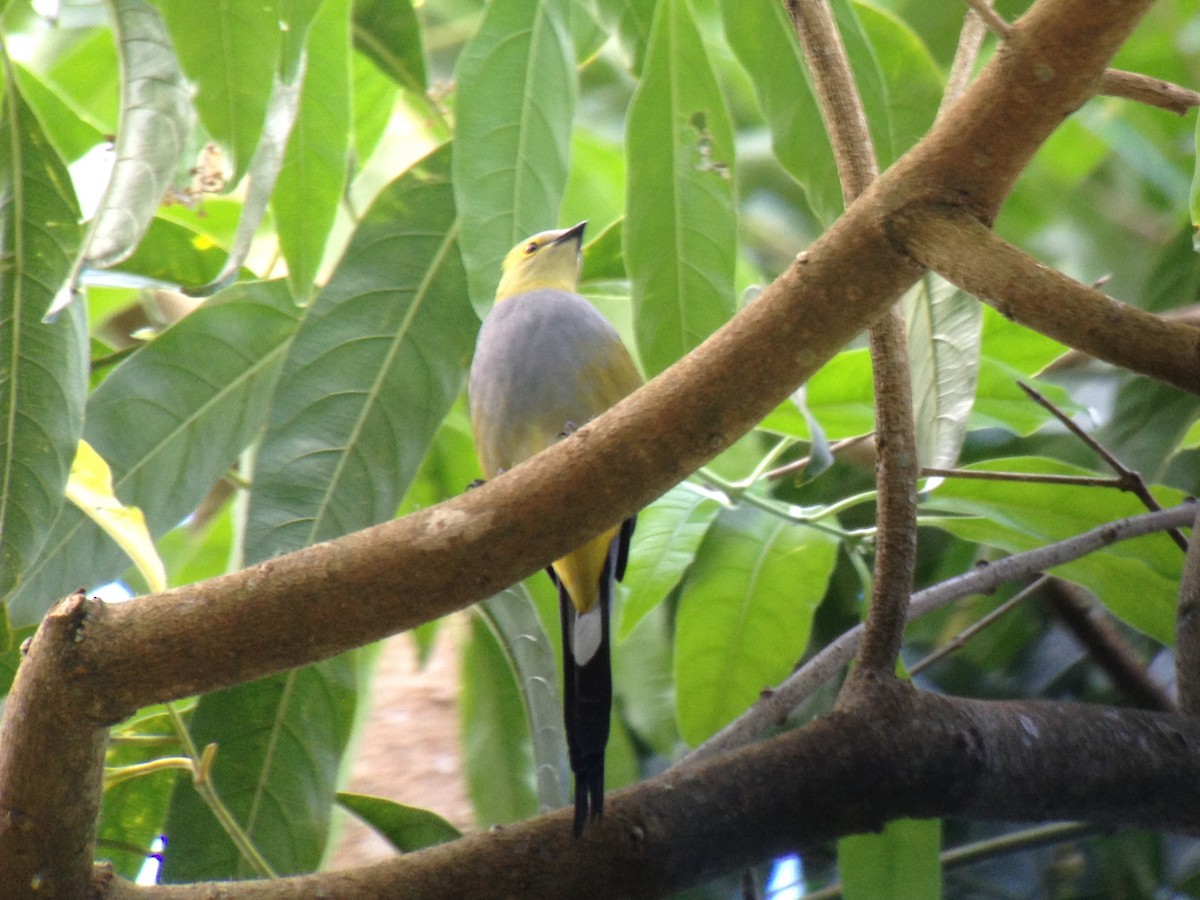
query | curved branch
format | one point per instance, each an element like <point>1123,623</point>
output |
<point>958,246</point>
<point>913,754</point>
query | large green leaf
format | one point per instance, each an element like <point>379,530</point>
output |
<point>762,36</point>
<point>310,184</point>
<point>170,421</point>
<point>67,127</point>
<point>745,614</point>
<point>388,33</point>
<point>156,124</point>
<point>681,228</point>
<point>666,539</point>
<point>495,733</point>
<point>230,49</point>
<point>516,103</point>
<point>279,742</point>
<point>900,863</point>
<point>43,367</point>
<point>1137,580</point>
<point>911,82</point>
<point>944,330</point>
<point>519,634</point>
<point>377,362</point>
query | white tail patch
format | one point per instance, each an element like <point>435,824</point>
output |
<point>589,629</point>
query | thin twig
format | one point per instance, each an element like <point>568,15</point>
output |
<point>803,463</point>
<point>1187,628</point>
<point>1077,609</point>
<point>959,640</point>
<point>990,848</point>
<point>775,705</point>
<point>1148,90</point>
<point>1028,477</point>
<point>1130,480</point>
<point>994,21</point>
<point>970,40</point>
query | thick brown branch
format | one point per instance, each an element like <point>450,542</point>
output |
<point>312,604</point>
<point>51,761</point>
<point>958,246</point>
<point>904,753</point>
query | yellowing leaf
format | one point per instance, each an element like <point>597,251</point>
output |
<point>90,488</point>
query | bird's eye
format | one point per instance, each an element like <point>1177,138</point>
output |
<point>530,248</point>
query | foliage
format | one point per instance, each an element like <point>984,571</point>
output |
<point>279,341</point>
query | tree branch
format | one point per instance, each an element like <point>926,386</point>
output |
<point>958,246</point>
<point>312,604</point>
<point>772,710</point>
<point>913,755</point>
<point>896,457</point>
<point>1150,91</point>
<point>1076,607</point>
<point>51,761</point>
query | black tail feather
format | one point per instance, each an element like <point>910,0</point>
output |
<point>587,703</point>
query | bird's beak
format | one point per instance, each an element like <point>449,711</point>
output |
<point>574,233</point>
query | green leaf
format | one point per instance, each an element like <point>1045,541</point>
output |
<point>389,34</point>
<point>900,863</point>
<point>666,539</point>
<point>519,634</point>
<point>261,176</point>
<point>296,18</point>
<point>406,828</point>
<point>912,84</point>
<point>516,102</point>
<point>745,614</point>
<point>376,364</point>
<point>134,810</point>
<point>495,733</point>
<point>155,126</point>
<point>374,99</point>
<point>310,183</point>
<point>67,127</point>
<point>230,49</point>
<point>764,40</point>
<point>43,367</point>
<point>279,742</point>
<point>681,226</point>
<point>159,423</point>
<point>1137,580</point>
<point>644,684</point>
<point>944,332</point>
<point>174,254</point>
<point>631,20</point>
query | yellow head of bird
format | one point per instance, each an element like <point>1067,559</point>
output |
<point>549,259</point>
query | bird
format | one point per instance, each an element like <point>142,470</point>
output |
<point>546,362</point>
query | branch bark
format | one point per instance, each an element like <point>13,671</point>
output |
<point>310,605</point>
<point>912,754</point>
<point>958,246</point>
<point>896,459</point>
